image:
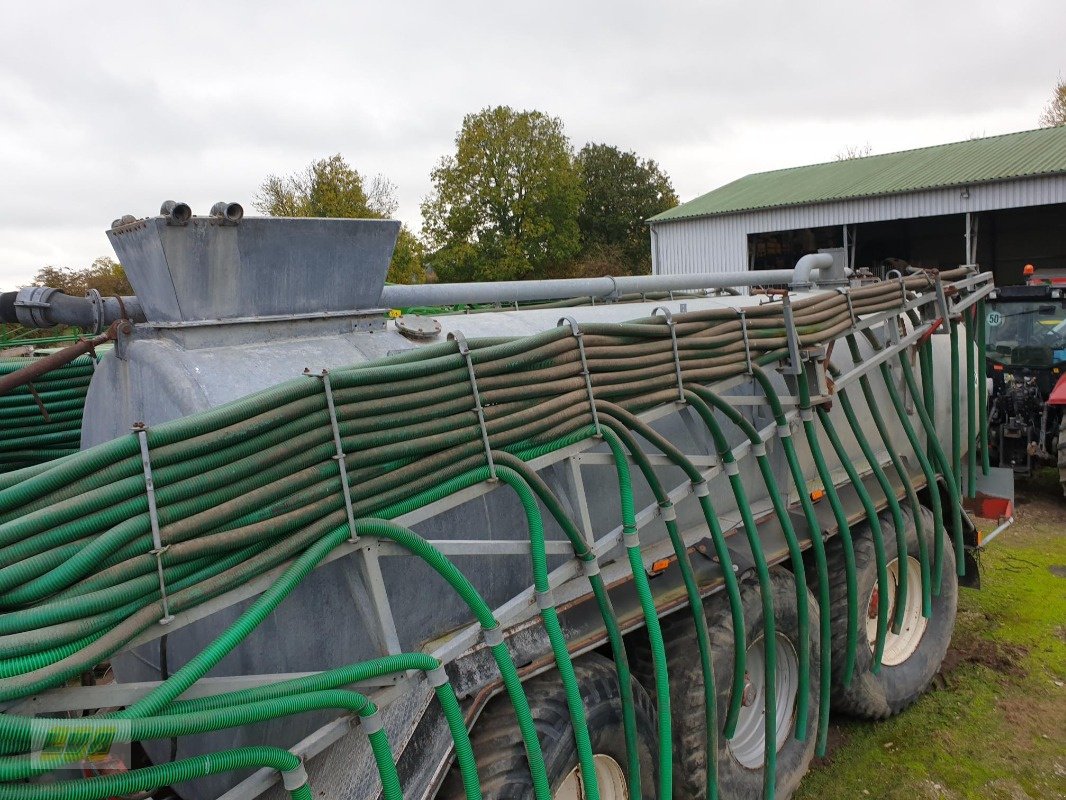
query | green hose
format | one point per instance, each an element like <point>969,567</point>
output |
<point>902,474</point>
<point>982,385</point>
<point>972,434</point>
<point>956,419</point>
<point>762,571</point>
<point>893,505</point>
<point>825,671</point>
<point>875,533</point>
<point>843,527</point>
<point>795,552</point>
<point>148,779</point>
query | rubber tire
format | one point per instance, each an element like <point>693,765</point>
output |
<point>1061,444</point>
<point>501,756</point>
<point>894,688</point>
<point>735,782</point>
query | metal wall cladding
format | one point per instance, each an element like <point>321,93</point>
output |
<point>720,243</point>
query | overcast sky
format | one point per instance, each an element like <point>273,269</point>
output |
<point>111,108</point>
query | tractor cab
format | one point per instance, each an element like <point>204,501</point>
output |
<point>1025,335</point>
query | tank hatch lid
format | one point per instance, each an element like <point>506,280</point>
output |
<point>208,269</point>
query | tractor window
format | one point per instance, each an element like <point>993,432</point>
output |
<point>1026,333</point>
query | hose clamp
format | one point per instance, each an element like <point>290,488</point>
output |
<point>758,449</point>
<point>673,343</point>
<point>700,488</point>
<point>579,336</point>
<point>294,779</point>
<point>630,536</point>
<point>590,567</point>
<point>784,431</point>
<point>158,549</point>
<point>492,636</point>
<point>732,468</point>
<point>669,513</point>
<point>340,457</point>
<point>545,599</point>
<point>807,414</point>
<point>464,351</point>
<point>371,723</point>
<point>437,676</point>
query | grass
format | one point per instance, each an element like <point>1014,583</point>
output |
<point>994,725</point>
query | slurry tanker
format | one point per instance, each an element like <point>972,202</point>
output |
<point>604,538</point>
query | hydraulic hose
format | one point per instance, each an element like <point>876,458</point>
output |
<point>982,384</point>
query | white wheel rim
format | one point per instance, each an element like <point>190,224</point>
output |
<point>899,647</point>
<point>609,776</point>
<point>748,744</point>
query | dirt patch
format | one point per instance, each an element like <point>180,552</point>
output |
<point>835,739</point>
<point>1058,570</point>
<point>1003,658</point>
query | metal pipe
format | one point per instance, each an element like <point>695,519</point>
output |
<point>231,213</point>
<point>175,212</point>
<point>42,365</point>
<point>823,262</point>
<point>45,307</point>
<point>607,288</point>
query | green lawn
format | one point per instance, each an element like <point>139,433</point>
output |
<point>994,725</point>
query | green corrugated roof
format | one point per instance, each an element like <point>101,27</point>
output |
<point>995,158</point>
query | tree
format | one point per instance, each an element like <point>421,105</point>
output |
<point>621,192</point>
<point>330,187</point>
<point>505,205</point>
<point>104,274</point>
<point>1054,112</point>
<point>854,151</point>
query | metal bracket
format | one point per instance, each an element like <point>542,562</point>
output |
<point>845,291</point>
<point>158,548</point>
<point>743,316</point>
<point>942,301</point>
<point>673,342</point>
<point>340,457</point>
<point>464,350</point>
<point>795,366</point>
<point>576,331</point>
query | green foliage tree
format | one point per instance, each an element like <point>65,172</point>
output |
<point>621,192</point>
<point>330,187</point>
<point>104,274</point>
<point>505,205</point>
<point>1054,112</point>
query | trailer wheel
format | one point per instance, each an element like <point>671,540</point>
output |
<point>740,761</point>
<point>912,657</point>
<point>501,758</point>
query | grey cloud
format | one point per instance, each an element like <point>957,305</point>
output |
<point>104,112</point>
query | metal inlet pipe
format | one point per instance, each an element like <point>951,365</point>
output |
<point>606,288</point>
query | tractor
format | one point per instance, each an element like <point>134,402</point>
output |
<point>1025,335</point>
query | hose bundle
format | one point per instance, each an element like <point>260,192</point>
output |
<point>256,483</point>
<point>42,421</point>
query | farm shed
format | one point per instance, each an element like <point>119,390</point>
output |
<point>998,201</point>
